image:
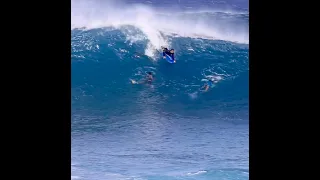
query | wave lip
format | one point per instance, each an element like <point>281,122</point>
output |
<point>228,26</point>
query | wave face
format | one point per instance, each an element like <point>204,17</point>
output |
<point>170,129</point>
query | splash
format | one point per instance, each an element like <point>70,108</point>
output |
<point>157,25</point>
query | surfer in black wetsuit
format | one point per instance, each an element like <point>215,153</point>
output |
<point>168,52</point>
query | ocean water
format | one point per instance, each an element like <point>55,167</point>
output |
<point>168,130</point>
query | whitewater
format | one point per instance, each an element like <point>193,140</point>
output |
<point>170,129</point>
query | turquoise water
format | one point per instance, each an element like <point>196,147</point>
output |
<point>170,129</point>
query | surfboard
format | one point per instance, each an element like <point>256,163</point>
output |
<point>168,58</point>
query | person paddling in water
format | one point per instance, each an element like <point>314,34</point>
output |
<point>148,79</point>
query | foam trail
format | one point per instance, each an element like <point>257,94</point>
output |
<point>196,173</point>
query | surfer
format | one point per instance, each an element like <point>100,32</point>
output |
<point>168,52</point>
<point>148,79</point>
<point>206,87</point>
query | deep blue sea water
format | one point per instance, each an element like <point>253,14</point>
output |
<point>168,130</point>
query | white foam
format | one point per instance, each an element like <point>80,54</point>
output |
<point>91,14</point>
<point>196,173</point>
<point>193,95</point>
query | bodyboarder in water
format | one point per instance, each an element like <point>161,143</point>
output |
<point>147,80</point>
<point>149,77</point>
<point>170,53</point>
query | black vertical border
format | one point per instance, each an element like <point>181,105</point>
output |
<point>58,50</point>
<point>259,44</point>
<point>268,100</point>
<point>39,73</point>
<point>62,128</point>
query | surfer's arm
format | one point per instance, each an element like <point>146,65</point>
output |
<point>164,54</point>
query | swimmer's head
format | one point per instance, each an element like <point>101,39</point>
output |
<point>149,73</point>
<point>172,50</point>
